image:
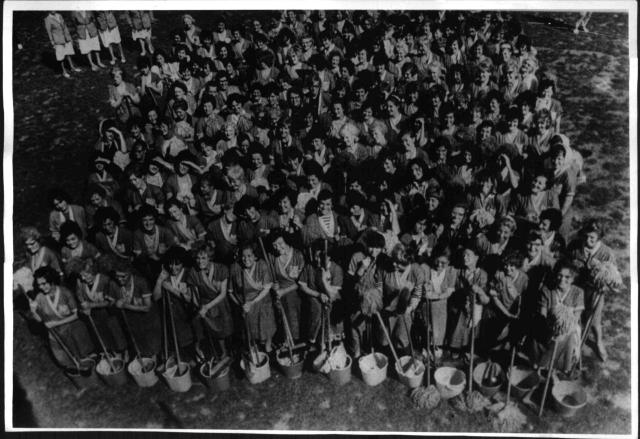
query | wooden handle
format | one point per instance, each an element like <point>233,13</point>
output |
<point>104,347</point>
<point>386,334</point>
<point>549,372</point>
<point>65,348</point>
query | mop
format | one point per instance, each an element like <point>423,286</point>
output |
<point>427,397</point>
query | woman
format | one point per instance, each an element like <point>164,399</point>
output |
<point>74,245</point>
<point>586,257</point>
<point>102,175</point>
<point>180,184</point>
<point>560,307</point>
<point>110,34</point>
<point>140,22</point>
<point>131,294</point>
<point>209,198</point>
<point>209,280</point>
<point>37,254</point>
<point>250,284</point>
<point>60,39</point>
<point>123,97</point>
<point>93,291</point>
<point>172,284</point>
<point>440,283</point>
<point>112,238</point>
<point>484,204</point>
<point>223,234</point>
<point>402,286</point>
<point>467,301</point>
<point>150,242</point>
<point>64,211</point>
<point>287,265</point>
<point>56,307</point>
<point>88,40</point>
<point>395,121</point>
<point>187,228</point>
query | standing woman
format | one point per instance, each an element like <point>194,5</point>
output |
<point>586,257</point>
<point>440,284</point>
<point>468,300</point>
<point>251,283</point>
<point>123,97</point>
<point>402,287</point>
<point>172,282</point>
<point>110,34</point>
<point>288,265</point>
<point>56,307</point>
<point>140,22</point>
<point>132,295</point>
<point>60,39</point>
<point>88,37</point>
<point>209,279</point>
<point>93,291</point>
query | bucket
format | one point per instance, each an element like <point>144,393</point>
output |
<point>257,374</point>
<point>568,397</point>
<point>523,379</point>
<point>291,370</point>
<point>320,361</point>
<point>112,378</point>
<point>220,383</point>
<point>412,378</point>
<point>176,382</point>
<point>449,381</point>
<point>373,368</point>
<point>341,375</point>
<point>86,376</point>
<point>488,389</point>
<point>143,379</point>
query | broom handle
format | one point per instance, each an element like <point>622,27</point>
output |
<point>65,348</point>
<point>266,259</point>
<point>328,326</point>
<point>546,384</point>
<point>128,329</point>
<point>173,331</point>
<point>386,334</point>
<point>164,328</point>
<point>587,326</point>
<point>473,344</point>
<point>104,348</point>
<point>428,305</point>
<point>287,329</point>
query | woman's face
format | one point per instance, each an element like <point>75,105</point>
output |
<point>44,285</point>
<point>148,222</point>
<point>136,181</point>
<point>442,153</point>
<point>485,133</point>
<point>87,277</point>
<point>367,113</point>
<point>591,239</point>
<point>109,226</point>
<point>117,78</point>
<point>565,279</point>
<point>325,207</point>
<point>60,205</point>
<point>229,132</point>
<point>543,124</point>
<point>513,125</point>
<point>494,105</point>
<point>388,166</point>
<point>338,111</point>
<point>378,136</point>
<point>449,119</point>
<point>248,258</point>
<point>348,138</point>
<point>420,227</point>
<point>285,205</point>
<point>442,262</point>
<point>504,233</point>
<point>470,259</point>
<point>202,260</point>
<point>392,108</point>
<point>548,92</point>
<point>486,186</point>
<point>510,270</point>
<point>175,267</point>
<point>280,246</point>
<point>558,161</point>
<point>72,241</point>
<point>256,160</point>
<point>33,246</point>
<point>484,76</point>
<point>178,93</point>
<point>153,169</point>
<point>175,213</point>
<point>457,215</point>
<point>139,153</point>
<point>182,169</point>
<point>433,203</point>
<point>534,248</point>
<point>539,184</point>
<point>164,129</point>
<point>416,171</point>
<point>223,52</point>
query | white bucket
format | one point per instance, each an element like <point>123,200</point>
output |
<point>257,374</point>
<point>143,379</point>
<point>412,378</point>
<point>443,376</point>
<point>178,382</point>
<point>374,368</point>
<point>114,378</point>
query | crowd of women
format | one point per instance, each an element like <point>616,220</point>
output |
<point>349,162</point>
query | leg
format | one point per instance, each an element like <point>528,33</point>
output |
<point>143,51</point>
<point>151,50</point>
<point>585,20</point>
<point>113,57</point>
<point>596,329</point>
<point>122,58</point>
<point>72,65</point>
<point>93,66</point>
<point>99,61</point>
<point>64,70</point>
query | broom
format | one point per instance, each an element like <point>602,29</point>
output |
<point>146,368</point>
<point>107,356</point>
<point>427,397</point>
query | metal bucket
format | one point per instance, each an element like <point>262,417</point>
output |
<point>343,375</point>
<point>257,374</point>
<point>178,382</point>
<point>112,378</point>
<point>523,380</point>
<point>373,368</point>
<point>136,369</point>
<point>568,397</point>
<point>486,389</point>
<point>289,369</point>
<point>220,382</point>
<point>413,377</point>
<point>443,377</point>
<point>84,377</point>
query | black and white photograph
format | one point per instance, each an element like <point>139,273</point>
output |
<point>248,217</point>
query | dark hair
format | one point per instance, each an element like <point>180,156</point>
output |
<point>356,199</point>
<point>58,194</point>
<point>105,213</point>
<point>69,228</point>
<point>374,239</point>
<point>47,273</point>
<point>175,254</point>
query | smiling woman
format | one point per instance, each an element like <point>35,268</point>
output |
<point>329,137</point>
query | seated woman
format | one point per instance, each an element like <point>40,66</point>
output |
<point>150,242</point>
<point>527,206</point>
<point>98,198</point>
<point>37,254</point>
<point>140,193</point>
<point>187,228</point>
<point>402,286</point>
<point>553,242</point>
<point>74,246</point>
<point>560,308</point>
<point>210,281</point>
<point>112,238</point>
<point>93,291</point>
<point>103,176</point>
<point>209,197</point>
<point>250,285</point>
<point>180,184</point>
<point>56,307</point>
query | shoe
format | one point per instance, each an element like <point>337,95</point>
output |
<point>77,69</point>
<point>112,62</point>
<point>95,68</point>
<point>143,53</point>
<point>601,352</point>
<point>576,31</point>
<point>438,353</point>
<point>123,60</point>
<point>102,65</point>
<point>66,75</point>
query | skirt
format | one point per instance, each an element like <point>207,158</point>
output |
<point>262,321</point>
<point>438,320</point>
<point>62,50</point>
<point>143,34</point>
<point>89,45</point>
<point>292,304</point>
<point>76,339</point>
<point>110,36</point>
<point>146,330</point>
<point>219,320</point>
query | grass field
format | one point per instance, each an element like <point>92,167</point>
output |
<point>55,129</point>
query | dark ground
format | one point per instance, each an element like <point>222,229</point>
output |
<point>56,126</point>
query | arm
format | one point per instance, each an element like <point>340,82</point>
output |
<point>223,293</point>
<point>145,307</point>
<point>70,318</point>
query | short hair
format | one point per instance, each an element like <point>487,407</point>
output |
<point>374,239</point>
<point>513,258</point>
<point>355,199</point>
<point>401,255</point>
<point>565,264</point>
<point>535,235</point>
<point>147,210</point>
<point>105,213</point>
<point>69,228</point>
<point>174,202</point>
<point>350,129</point>
<point>58,194</point>
<point>554,216</point>
<point>30,232</point>
<point>175,254</point>
<point>313,168</point>
<point>325,194</point>
<point>593,226</point>
<point>47,273</point>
